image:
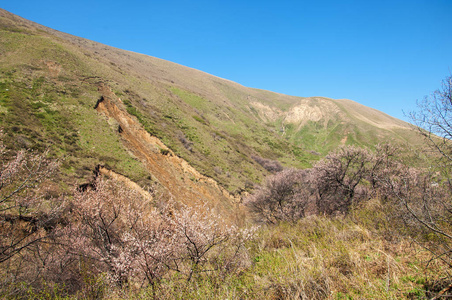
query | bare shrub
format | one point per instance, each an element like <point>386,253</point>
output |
<point>433,121</point>
<point>424,204</point>
<point>338,177</point>
<point>344,178</point>
<point>284,197</point>
<point>348,176</point>
<point>268,164</point>
<point>218,170</point>
<point>185,141</point>
<point>425,196</point>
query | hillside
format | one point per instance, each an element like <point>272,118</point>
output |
<point>177,131</point>
<point>197,162</point>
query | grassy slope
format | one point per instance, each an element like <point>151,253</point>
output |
<point>40,110</point>
<point>170,101</point>
<point>49,86</point>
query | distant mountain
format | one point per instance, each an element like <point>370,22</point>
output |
<point>177,131</point>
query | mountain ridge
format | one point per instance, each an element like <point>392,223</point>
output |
<point>53,80</point>
<point>169,65</point>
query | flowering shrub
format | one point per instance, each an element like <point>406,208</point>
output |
<point>30,217</point>
<point>208,244</point>
<point>126,237</point>
<point>26,217</point>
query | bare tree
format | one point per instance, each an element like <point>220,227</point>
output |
<point>339,178</point>
<point>284,197</point>
<point>433,121</point>
<point>425,195</point>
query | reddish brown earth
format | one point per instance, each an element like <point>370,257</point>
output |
<point>178,179</point>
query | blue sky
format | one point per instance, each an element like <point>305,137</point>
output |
<point>383,54</point>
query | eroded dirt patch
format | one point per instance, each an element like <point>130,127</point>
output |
<point>180,180</point>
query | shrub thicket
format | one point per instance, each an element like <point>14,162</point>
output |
<point>272,166</point>
<point>340,181</point>
<point>109,235</point>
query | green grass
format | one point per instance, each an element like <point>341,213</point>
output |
<point>215,115</point>
<point>44,118</point>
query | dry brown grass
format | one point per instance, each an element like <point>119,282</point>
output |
<point>324,258</point>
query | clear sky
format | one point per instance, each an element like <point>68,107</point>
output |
<point>385,54</point>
